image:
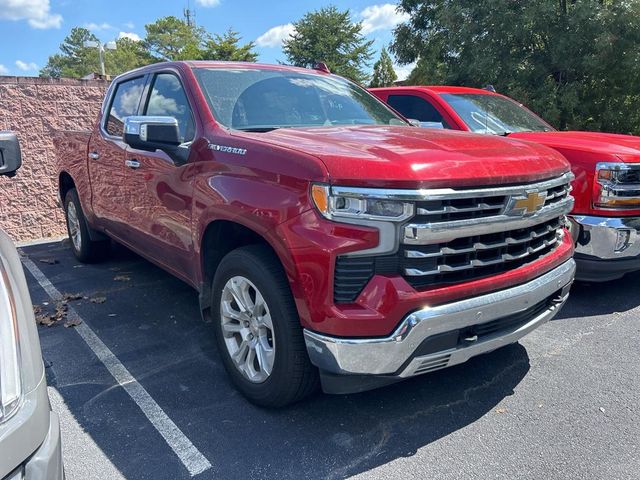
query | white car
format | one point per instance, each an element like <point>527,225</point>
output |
<point>30,446</point>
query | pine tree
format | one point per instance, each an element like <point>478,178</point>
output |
<point>330,36</point>
<point>383,73</point>
<point>225,47</point>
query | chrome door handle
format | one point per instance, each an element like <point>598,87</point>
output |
<point>94,155</point>
<point>132,164</point>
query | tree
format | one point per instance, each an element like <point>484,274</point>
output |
<point>328,35</point>
<point>128,54</point>
<point>575,62</point>
<point>74,59</point>
<point>170,39</point>
<point>225,47</point>
<point>383,73</point>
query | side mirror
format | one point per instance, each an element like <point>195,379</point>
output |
<point>152,133</point>
<point>10,156</point>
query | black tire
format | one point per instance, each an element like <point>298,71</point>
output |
<point>293,377</point>
<point>84,249</point>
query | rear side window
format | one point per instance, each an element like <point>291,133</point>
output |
<point>415,108</point>
<point>126,99</point>
<point>168,99</point>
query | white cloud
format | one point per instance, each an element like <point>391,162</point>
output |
<point>3,70</point>
<point>403,71</point>
<point>97,27</point>
<point>129,25</point>
<point>275,36</point>
<point>381,17</point>
<point>208,3</point>
<point>130,35</point>
<point>26,66</point>
<point>36,12</point>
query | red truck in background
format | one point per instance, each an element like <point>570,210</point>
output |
<point>606,218</point>
<point>328,239</point>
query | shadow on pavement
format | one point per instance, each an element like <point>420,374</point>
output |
<point>594,299</point>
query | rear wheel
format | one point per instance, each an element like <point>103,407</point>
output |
<point>85,249</point>
<point>258,330</point>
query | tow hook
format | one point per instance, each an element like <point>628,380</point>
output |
<point>562,294</point>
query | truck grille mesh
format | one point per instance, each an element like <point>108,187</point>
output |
<point>462,235</point>
<point>460,260</point>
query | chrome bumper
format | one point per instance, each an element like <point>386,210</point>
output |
<point>606,238</point>
<point>394,355</point>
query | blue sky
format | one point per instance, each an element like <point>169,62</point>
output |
<point>31,30</point>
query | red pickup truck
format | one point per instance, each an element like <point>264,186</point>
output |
<point>606,218</point>
<point>328,239</point>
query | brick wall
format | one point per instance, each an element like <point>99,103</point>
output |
<point>35,108</point>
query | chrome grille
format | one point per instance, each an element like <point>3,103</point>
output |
<point>474,257</point>
<point>456,205</point>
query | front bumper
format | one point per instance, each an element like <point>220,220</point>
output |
<point>30,443</point>
<point>437,337</point>
<point>46,462</point>
<point>606,248</point>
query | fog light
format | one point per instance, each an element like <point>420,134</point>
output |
<point>622,241</point>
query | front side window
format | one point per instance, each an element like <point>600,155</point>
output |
<point>417,108</point>
<point>494,114</point>
<point>168,99</point>
<point>126,99</point>
<point>254,99</point>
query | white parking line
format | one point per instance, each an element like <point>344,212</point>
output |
<point>193,460</point>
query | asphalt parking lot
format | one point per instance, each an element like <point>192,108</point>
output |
<point>563,403</point>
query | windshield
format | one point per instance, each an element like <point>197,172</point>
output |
<point>252,99</point>
<point>494,114</point>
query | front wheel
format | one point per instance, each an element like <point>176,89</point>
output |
<point>84,249</point>
<point>258,330</point>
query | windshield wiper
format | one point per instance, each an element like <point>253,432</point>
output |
<point>258,129</point>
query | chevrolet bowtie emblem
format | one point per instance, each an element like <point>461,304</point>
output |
<point>533,202</point>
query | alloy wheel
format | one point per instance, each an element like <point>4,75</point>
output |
<point>247,329</point>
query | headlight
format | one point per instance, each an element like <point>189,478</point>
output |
<point>10,382</point>
<point>617,185</point>
<point>336,203</point>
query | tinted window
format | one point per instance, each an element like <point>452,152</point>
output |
<point>257,99</point>
<point>125,103</point>
<point>415,108</point>
<point>484,113</point>
<point>168,99</point>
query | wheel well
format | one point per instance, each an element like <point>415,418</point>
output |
<point>220,238</point>
<point>65,183</point>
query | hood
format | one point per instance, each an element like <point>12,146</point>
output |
<point>624,146</point>
<point>412,157</point>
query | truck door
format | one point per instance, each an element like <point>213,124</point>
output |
<point>109,195</point>
<point>160,189</point>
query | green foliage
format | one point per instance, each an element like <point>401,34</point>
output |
<point>330,36</point>
<point>167,39</point>
<point>128,55</point>
<point>575,62</point>
<point>225,47</point>
<point>383,73</point>
<point>171,39</point>
<point>74,60</point>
